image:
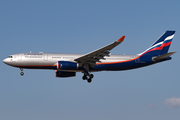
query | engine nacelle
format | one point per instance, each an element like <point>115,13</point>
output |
<point>65,74</point>
<point>66,65</point>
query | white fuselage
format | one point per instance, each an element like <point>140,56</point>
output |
<point>26,60</point>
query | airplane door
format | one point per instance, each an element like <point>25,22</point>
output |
<point>45,57</point>
<point>20,57</point>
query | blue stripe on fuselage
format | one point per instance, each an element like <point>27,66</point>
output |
<point>122,66</point>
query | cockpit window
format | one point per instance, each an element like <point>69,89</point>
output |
<point>9,56</point>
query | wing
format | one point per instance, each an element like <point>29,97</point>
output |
<point>95,56</point>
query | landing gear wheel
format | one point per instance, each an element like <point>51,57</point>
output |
<point>91,76</point>
<point>22,73</point>
<point>88,77</point>
<point>89,80</point>
<point>84,77</point>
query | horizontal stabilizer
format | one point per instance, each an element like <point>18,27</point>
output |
<point>162,57</point>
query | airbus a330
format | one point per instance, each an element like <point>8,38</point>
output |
<point>66,65</point>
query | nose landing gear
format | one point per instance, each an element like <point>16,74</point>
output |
<point>22,73</point>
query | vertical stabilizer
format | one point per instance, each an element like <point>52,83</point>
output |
<point>167,42</point>
<point>161,46</point>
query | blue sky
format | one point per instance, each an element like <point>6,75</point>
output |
<point>80,27</point>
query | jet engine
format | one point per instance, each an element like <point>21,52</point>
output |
<point>65,74</point>
<point>67,65</point>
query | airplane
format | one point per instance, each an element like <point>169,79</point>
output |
<point>66,65</point>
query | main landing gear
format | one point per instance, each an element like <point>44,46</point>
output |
<point>22,73</point>
<point>88,77</point>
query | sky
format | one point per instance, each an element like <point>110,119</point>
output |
<point>81,26</point>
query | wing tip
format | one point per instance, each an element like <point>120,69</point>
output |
<point>121,39</point>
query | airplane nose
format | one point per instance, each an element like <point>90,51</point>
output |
<point>5,61</point>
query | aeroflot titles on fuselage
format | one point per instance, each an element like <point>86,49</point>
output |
<point>33,54</point>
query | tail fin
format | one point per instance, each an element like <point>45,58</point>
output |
<point>161,46</point>
<point>167,42</point>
